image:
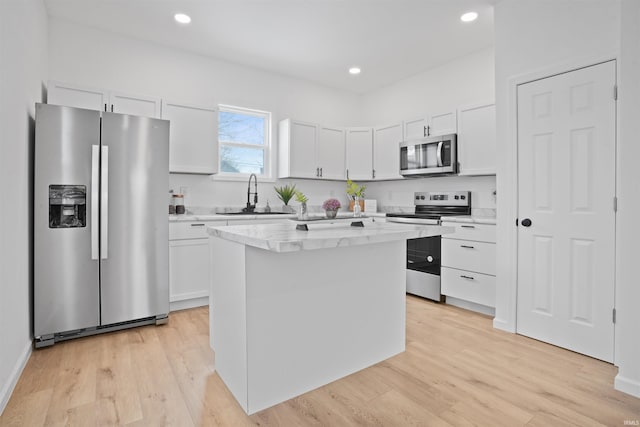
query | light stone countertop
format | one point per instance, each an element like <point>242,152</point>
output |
<point>471,219</point>
<point>285,237</point>
<point>213,217</point>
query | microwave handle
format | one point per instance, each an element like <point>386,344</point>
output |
<point>439,153</point>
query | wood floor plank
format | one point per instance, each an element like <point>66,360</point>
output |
<point>456,371</point>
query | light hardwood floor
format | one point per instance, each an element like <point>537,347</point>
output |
<point>457,371</point>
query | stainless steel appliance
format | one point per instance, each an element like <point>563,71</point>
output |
<point>423,254</point>
<point>429,156</point>
<point>100,224</point>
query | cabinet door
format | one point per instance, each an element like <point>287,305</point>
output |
<point>188,269</point>
<point>193,138</point>
<point>477,139</point>
<point>331,152</point>
<point>70,95</point>
<point>442,123</point>
<point>302,138</point>
<point>415,128</point>
<point>386,151</point>
<point>359,153</point>
<point>136,105</point>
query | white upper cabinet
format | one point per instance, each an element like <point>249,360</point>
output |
<point>331,152</point>
<point>193,138</point>
<point>309,150</point>
<point>439,123</point>
<point>72,95</point>
<point>386,151</point>
<point>359,153</point>
<point>297,149</point>
<point>477,139</point>
<point>135,105</point>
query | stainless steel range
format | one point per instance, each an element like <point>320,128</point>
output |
<point>423,254</point>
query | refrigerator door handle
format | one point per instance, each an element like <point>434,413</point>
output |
<point>95,187</point>
<point>104,204</point>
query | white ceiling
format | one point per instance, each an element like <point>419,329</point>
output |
<point>316,40</point>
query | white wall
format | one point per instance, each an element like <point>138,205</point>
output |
<point>464,81</point>
<point>23,69</point>
<point>96,58</point>
<point>548,36</point>
<point>627,289</point>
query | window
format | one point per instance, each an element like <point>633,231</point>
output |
<point>243,138</point>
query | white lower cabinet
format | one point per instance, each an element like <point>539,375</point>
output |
<point>469,264</point>
<point>189,263</point>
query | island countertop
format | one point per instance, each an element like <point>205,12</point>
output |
<point>285,237</point>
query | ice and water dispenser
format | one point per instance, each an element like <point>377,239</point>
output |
<point>67,206</point>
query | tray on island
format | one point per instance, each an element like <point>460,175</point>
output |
<point>303,224</point>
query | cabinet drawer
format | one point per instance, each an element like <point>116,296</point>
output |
<point>191,230</point>
<point>471,231</point>
<point>468,286</point>
<point>469,255</point>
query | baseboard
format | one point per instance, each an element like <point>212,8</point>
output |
<point>627,385</point>
<point>188,303</point>
<point>12,380</point>
<point>503,326</point>
<point>468,305</point>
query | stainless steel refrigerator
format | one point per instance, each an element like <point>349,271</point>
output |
<point>101,252</point>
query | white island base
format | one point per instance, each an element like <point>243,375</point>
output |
<point>284,323</point>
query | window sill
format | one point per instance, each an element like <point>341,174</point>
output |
<point>240,178</point>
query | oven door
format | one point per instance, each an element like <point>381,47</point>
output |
<point>423,267</point>
<point>437,155</point>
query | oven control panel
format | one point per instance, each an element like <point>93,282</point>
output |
<point>442,198</point>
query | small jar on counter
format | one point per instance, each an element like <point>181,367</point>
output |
<point>178,202</point>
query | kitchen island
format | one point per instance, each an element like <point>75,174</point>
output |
<point>292,310</point>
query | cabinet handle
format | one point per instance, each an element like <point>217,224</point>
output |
<point>317,171</point>
<point>424,133</point>
<point>467,277</point>
<point>468,226</point>
<point>373,173</point>
<point>105,107</point>
<point>347,173</point>
<point>320,172</point>
<point>427,131</point>
<point>467,247</point>
<point>197,225</point>
<point>112,108</point>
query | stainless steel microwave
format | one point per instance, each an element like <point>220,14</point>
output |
<point>429,156</point>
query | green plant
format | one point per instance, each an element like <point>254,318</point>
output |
<point>354,190</point>
<point>300,197</point>
<point>286,192</point>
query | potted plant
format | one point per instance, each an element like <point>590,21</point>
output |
<point>355,192</point>
<point>302,199</point>
<point>331,207</point>
<point>286,193</point>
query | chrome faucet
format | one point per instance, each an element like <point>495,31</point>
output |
<point>250,207</point>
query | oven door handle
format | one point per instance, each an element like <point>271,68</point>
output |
<point>439,153</point>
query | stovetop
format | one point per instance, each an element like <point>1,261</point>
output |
<point>434,205</point>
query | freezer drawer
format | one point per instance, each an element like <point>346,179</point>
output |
<point>468,255</point>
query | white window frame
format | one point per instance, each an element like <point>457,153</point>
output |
<point>266,147</point>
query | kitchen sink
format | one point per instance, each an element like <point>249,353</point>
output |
<point>251,213</point>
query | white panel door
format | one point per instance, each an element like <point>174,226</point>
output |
<point>386,151</point>
<point>566,187</point>
<point>193,138</point>
<point>477,139</point>
<point>70,95</point>
<point>442,123</point>
<point>135,105</point>
<point>302,150</point>
<point>415,128</point>
<point>331,153</point>
<point>360,153</point>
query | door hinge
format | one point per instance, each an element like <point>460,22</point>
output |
<point>614,315</point>
<point>615,92</point>
<point>615,204</point>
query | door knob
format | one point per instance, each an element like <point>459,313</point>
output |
<point>526,222</point>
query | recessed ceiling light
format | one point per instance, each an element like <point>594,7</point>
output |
<point>354,70</point>
<point>182,18</point>
<point>468,17</point>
